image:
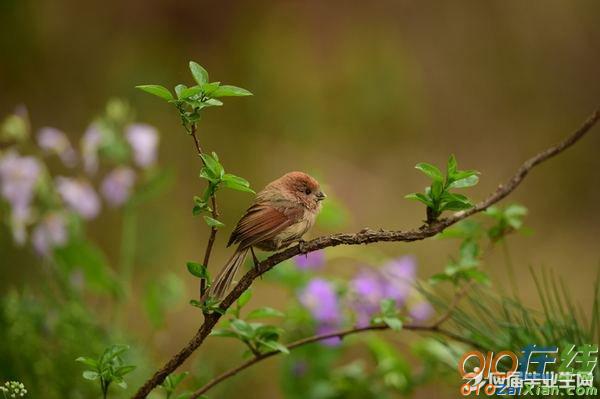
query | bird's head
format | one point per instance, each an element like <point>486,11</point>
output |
<point>304,188</point>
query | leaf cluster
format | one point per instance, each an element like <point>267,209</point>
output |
<point>190,101</point>
<point>214,173</point>
<point>437,196</point>
<point>107,368</point>
<point>260,338</point>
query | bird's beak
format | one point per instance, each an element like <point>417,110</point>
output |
<point>321,196</point>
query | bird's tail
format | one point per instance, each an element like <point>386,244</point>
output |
<point>225,277</point>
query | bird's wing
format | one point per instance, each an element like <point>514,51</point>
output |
<point>263,222</point>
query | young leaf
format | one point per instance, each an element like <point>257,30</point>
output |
<point>236,183</point>
<point>456,206</point>
<point>466,182</point>
<point>230,91</point>
<point>213,222</point>
<point>393,322</point>
<point>197,269</point>
<point>264,312</point>
<point>179,89</point>
<point>157,90</point>
<point>430,171</point>
<point>242,328</point>
<point>90,375</point>
<point>451,167</point>
<point>209,88</point>
<point>388,307</point>
<point>213,165</point>
<point>420,197</point>
<point>199,73</point>
<point>87,361</point>
<point>223,332</point>
<point>244,298</point>
<point>190,92</point>
<point>278,346</point>
<point>213,102</point>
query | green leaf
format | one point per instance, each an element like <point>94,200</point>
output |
<point>90,375</point>
<point>438,278</point>
<point>451,166</point>
<point>190,92</point>
<point>242,328</point>
<point>223,332</point>
<point>209,88</point>
<point>244,298</point>
<point>179,89</point>
<point>230,91</point>
<point>197,269</point>
<point>393,322</point>
<point>430,171</point>
<point>121,383</point>
<point>236,183</point>
<point>213,222</point>
<point>157,90</point>
<point>456,206</point>
<point>420,197</point>
<point>213,102</point>
<point>199,73</point>
<point>213,165</point>
<point>278,346</point>
<point>264,312</point>
<point>466,182</point>
<point>388,307</point>
<point>477,275</point>
<point>121,371</point>
<point>87,361</point>
<point>437,188</point>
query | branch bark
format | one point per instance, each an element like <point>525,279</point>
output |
<point>365,236</point>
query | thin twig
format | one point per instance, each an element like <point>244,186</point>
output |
<point>365,236</point>
<point>215,215</point>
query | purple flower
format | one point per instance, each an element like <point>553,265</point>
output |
<point>393,281</point>
<point>311,260</point>
<point>18,177</point>
<point>90,143</point>
<point>320,299</point>
<point>326,329</point>
<point>400,276</point>
<point>421,311</point>
<point>54,141</point>
<point>79,196</point>
<point>51,232</point>
<point>116,186</point>
<point>143,139</point>
<point>367,290</point>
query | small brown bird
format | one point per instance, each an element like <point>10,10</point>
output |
<point>280,215</point>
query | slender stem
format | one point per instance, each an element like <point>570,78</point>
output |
<point>215,215</point>
<point>365,236</point>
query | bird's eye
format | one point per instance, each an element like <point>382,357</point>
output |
<point>307,191</point>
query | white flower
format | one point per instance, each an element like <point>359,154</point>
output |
<point>143,139</point>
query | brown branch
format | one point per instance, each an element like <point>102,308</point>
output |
<point>215,215</point>
<point>365,236</point>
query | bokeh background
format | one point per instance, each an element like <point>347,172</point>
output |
<point>351,92</point>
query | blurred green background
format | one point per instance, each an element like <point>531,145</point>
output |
<point>355,93</point>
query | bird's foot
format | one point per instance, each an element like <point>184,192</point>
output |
<point>254,258</point>
<point>302,246</point>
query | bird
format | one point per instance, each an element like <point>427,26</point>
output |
<point>280,215</point>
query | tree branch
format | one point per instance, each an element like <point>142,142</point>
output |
<point>365,236</point>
